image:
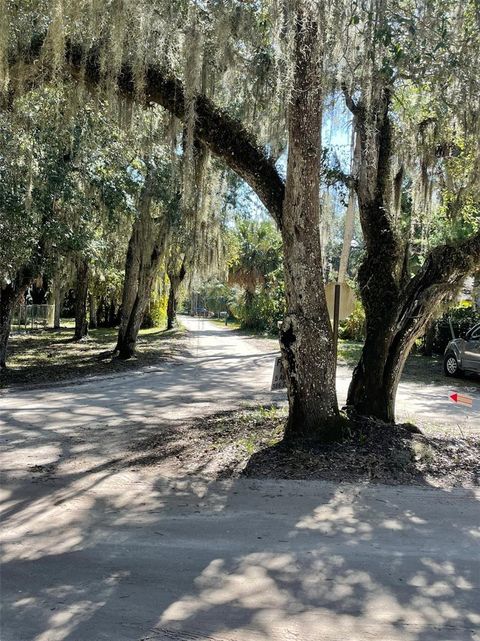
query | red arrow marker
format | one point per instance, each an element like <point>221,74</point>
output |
<point>461,399</point>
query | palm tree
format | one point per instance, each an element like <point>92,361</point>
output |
<point>257,253</point>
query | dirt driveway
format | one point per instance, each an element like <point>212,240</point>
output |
<point>94,550</point>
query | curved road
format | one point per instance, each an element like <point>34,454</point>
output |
<point>93,553</point>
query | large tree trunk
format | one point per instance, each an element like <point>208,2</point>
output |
<point>370,391</point>
<point>10,294</point>
<point>176,279</point>
<point>306,336</point>
<point>429,338</point>
<point>133,262</point>
<point>81,291</point>
<point>146,249</point>
<point>57,301</point>
<point>111,315</point>
<point>7,303</point>
<point>397,307</point>
<point>100,311</point>
<point>171,308</point>
<point>127,344</point>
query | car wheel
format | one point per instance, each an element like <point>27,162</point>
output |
<point>450,365</point>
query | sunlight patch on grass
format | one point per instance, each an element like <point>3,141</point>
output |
<point>45,356</point>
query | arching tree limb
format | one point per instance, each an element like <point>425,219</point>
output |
<point>225,136</point>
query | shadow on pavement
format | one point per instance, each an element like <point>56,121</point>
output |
<point>106,554</point>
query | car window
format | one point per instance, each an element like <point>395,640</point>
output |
<point>475,335</point>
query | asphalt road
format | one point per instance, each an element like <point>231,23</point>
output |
<point>93,553</point>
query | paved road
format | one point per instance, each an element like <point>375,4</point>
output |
<point>94,553</point>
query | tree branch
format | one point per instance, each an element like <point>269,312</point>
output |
<point>226,137</point>
<point>335,175</point>
<point>445,266</point>
<point>349,101</point>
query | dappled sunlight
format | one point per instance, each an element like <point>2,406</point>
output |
<point>338,516</point>
<point>271,592</point>
<point>331,562</point>
<point>117,546</point>
<point>63,608</point>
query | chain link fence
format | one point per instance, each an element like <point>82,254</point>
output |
<point>31,317</point>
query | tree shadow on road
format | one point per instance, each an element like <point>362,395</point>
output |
<point>111,554</point>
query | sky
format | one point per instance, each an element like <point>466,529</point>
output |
<point>336,136</point>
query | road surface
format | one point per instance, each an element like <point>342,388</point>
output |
<point>96,553</point>
<point>223,370</point>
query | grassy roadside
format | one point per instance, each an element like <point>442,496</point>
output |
<point>46,356</point>
<point>235,325</point>
<point>418,368</point>
<point>221,321</point>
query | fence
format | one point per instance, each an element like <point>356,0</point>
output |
<point>29,317</point>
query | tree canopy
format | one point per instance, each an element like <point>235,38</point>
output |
<point>122,124</point>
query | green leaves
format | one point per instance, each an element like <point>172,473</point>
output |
<point>63,176</point>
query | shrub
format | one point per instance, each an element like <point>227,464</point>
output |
<point>263,309</point>
<point>156,312</point>
<point>353,327</point>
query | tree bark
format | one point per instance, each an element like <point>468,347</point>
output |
<point>7,303</point>
<point>442,272</point>
<point>92,324</point>
<point>10,294</point>
<point>397,306</point>
<point>126,344</point>
<point>100,311</point>
<point>58,302</point>
<point>81,291</point>
<point>111,317</point>
<point>370,392</point>
<point>146,249</point>
<point>176,279</point>
<point>429,338</point>
<point>171,308</point>
<point>224,136</point>
<point>306,335</point>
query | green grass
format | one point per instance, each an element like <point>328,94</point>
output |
<point>418,368</point>
<point>232,324</point>
<point>249,429</point>
<point>349,352</point>
<point>237,326</point>
<point>43,356</point>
